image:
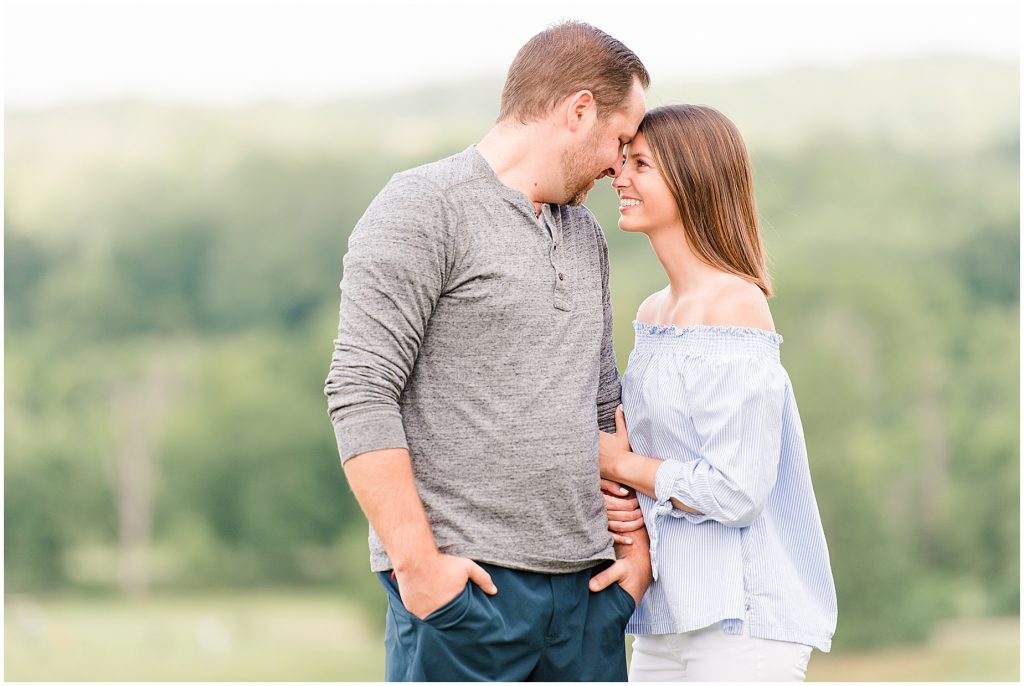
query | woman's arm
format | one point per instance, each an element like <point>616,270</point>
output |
<point>736,408</point>
<point>620,464</point>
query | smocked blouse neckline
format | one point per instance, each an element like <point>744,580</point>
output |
<point>702,339</point>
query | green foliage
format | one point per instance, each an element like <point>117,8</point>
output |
<point>252,459</point>
<point>207,245</point>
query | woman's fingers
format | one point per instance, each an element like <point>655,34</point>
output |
<point>620,422</point>
<point>616,503</point>
<point>624,515</point>
<point>619,538</point>
<point>623,527</point>
<point>614,488</point>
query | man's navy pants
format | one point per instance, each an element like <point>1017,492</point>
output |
<point>539,627</point>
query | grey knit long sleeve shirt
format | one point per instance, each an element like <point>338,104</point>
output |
<point>481,341</point>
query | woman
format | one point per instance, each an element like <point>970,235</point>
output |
<point>743,589</point>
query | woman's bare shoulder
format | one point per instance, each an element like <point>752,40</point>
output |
<point>648,310</point>
<point>740,303</point>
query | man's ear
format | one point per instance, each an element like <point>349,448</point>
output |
<point>580,107</point>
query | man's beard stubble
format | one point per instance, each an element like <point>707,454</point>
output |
<point>578,170</point>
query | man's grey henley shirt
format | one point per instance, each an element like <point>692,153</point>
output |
<point>481,342</point>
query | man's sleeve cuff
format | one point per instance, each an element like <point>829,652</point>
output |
<point>368,431</point>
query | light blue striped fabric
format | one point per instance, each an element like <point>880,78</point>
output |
<point>717,406</point>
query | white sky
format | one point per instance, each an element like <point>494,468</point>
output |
<point>224,51</point>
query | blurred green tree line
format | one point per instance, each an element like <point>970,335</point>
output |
<point>171,294</point>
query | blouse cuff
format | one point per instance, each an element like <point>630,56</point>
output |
<point>665,487</point>
<point>668,472</point>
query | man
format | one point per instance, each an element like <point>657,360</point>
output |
<point>472,369</point>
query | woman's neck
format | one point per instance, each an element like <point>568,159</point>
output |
<point>686,272</point>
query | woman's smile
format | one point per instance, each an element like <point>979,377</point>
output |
<point>627,204</point>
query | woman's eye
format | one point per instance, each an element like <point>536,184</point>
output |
<point>641,163</point>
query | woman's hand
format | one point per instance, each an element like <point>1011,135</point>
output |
<point>623,509</point>
<point>621,467</point>
<point>614,447</point>
<point>621,504</point>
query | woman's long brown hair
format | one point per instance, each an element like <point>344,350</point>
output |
<point>705,164</point>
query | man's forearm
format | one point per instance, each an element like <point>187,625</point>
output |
<point>641,545</point>
<point>383,483</point>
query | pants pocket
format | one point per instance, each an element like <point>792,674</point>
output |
<point>442,618</point>
<point>460,641</point>
<point>628,603</point>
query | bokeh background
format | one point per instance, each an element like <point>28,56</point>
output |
<point>180,182</point>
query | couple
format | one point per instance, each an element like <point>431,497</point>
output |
<point>476,401</point>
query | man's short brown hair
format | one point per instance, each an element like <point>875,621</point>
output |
<point>564,59</point>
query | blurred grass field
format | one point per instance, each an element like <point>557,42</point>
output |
<point>318,636</point>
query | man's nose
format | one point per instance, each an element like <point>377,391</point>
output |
<point>619,179</point>
<point>614,171</point>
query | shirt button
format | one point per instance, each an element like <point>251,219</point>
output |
<point>561,276</point>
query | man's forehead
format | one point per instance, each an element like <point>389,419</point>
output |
<point>627,118</point>
<point>636,107</point>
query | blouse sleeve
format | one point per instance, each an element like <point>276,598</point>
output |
<point>736,407</point>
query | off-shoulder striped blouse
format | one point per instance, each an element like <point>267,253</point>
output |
<point>717,406</point>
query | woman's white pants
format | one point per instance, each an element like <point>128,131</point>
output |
<point>710,654</point>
